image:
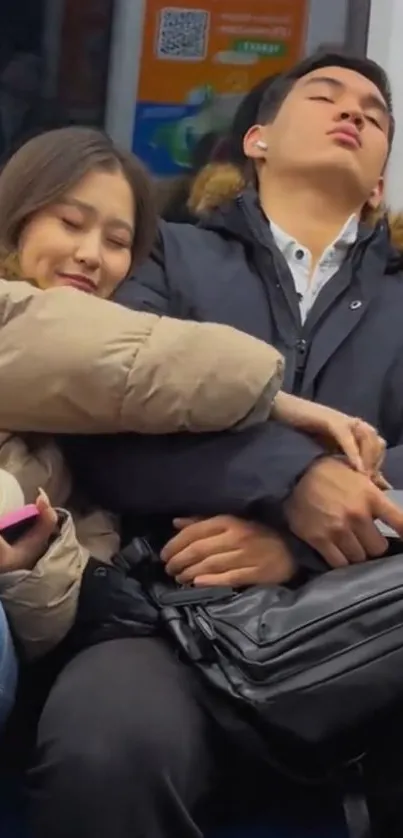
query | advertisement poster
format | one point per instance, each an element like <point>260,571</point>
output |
<point>199,58</point>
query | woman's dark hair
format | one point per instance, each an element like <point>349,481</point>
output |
<point>50,164</point>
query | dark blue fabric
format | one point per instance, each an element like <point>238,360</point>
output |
<point>12,812</point>
<point>348,354</point>
<point>8,669</point>
<point>13,824</point>
<point>306,824</point>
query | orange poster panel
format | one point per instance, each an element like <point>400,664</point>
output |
<point>198,58</point>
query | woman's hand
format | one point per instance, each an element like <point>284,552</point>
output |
<point>227,551</point>
<point>358,440</point>
<point>24,554</point>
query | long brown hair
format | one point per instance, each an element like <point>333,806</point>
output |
<point>49,165</point>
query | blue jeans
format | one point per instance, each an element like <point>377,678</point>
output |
<point>8,669</point>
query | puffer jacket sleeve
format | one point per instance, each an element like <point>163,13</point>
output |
<point>74,363</point>
<point>41,604</point>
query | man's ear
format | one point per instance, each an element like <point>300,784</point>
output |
<point>377,194</point>
<point>255,143</point>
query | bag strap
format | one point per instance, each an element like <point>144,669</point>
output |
<point>355,805</point>
<point>141,558</point>
<point>191,596</point>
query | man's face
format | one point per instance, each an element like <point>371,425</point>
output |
<point>333,119</point>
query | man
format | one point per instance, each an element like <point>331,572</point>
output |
<point>291,263</point>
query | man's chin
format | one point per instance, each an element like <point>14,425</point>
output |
<point>340,169</point>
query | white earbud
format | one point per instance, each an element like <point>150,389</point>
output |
<point>262,145</point>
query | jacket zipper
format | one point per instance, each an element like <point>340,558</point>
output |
<point>302,348</point>
<point>299,344</point>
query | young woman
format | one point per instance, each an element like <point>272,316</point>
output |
<point>76,215</point>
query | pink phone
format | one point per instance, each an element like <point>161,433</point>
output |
<point>15,524</point>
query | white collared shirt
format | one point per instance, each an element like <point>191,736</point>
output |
<point>299,261</point>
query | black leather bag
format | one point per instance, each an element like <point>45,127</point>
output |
<point>303,676</point>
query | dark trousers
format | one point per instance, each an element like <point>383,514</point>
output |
<point>124,750</point>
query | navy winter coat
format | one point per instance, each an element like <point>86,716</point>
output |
<point>348,354</point>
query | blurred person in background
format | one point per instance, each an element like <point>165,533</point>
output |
<point>173,193</point>
<point>215,163</point>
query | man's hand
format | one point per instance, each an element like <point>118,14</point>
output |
<point>227,551</point>
<point>333,509</point>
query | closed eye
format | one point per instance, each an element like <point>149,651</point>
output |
<point>118,243</point>
<point>374,121</point>
<point>321,99</point>
<point>72,225</point>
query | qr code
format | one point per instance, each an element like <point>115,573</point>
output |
<point>183,34</point>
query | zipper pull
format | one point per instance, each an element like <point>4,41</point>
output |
<point>302,352</point>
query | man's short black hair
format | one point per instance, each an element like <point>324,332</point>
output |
<point>276,93</point>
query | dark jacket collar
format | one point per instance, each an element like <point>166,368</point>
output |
<point>244,220</point>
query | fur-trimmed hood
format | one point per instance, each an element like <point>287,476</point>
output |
<point>219,183</point>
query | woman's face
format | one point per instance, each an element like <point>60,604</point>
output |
<point>84,240</point>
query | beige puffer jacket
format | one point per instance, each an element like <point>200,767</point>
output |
<point>73,363</point>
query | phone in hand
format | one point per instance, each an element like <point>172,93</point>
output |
<point>15,524</point>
